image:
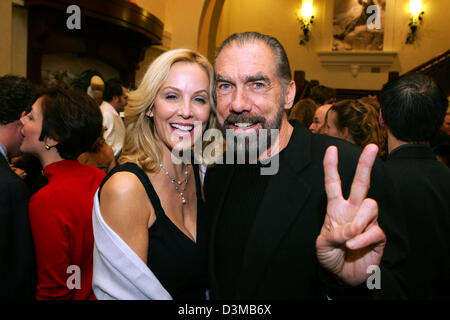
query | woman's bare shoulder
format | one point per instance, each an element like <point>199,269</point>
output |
<point>123,196</point>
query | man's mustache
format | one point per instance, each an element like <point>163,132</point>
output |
<point>243,117</point>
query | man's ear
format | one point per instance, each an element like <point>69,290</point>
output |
<point>115,100</point>
<point>289,95</point>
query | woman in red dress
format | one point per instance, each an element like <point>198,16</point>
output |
<point>62,125</point>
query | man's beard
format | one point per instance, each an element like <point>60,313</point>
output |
<point>255,142</point>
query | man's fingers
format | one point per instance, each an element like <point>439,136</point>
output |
<point>374,235</point>
<point>361,181</point>
<point>366,216</point>
<point>332,180</point>
<point>365,226</point>
<point>339,235</point>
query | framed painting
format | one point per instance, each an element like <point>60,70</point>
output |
<point>358,25</point>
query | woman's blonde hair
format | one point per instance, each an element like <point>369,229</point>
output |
<point>141,142</point>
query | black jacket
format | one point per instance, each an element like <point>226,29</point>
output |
<point>423,185</point>
<point>280,255</point>
<point>17,260</point>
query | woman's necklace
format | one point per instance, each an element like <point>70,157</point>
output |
<point>177,183</point>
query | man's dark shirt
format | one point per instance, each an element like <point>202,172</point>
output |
<point>241,204</point>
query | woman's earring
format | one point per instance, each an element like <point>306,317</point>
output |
<point>47,147</point>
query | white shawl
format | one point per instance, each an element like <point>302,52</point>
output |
<point>119,273</point>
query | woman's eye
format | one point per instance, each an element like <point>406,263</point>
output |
<point>200,99</point>
<point>171,96</point>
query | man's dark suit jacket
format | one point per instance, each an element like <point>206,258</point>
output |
<point>17,260</point>
<point>423,185</point>
<point>280,256</point>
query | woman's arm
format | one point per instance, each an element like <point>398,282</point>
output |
<point>126,209</point>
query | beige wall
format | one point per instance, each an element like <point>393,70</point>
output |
<point>155,7</point>
<point>13,35</point>
<point>278,18</point>
<point>181,20</point>
<point>6,37</point>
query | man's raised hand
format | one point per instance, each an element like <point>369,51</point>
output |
<point>351,239</point>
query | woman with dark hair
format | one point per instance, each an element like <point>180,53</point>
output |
<point>356,122</point>
<point>99,155</point>
<point>303,111</point>
<point>62,124</point>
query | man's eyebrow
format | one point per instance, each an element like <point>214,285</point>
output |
<point>257,77</point>
<point>220,78</point>
<point>247,79</point>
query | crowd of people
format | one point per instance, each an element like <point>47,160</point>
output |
<point>114,208</point>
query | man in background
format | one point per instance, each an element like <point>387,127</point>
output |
<point>115,98</point>
<point>17,261</point>
<point>412,109</point>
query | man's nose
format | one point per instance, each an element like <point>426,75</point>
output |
<point>240,101</point>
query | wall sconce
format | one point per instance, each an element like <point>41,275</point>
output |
<point>306,19</point>
<point>415,9</point>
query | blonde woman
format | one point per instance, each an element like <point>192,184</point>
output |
<point>150,230</point>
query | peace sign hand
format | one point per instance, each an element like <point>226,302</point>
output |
<point>350,239</point>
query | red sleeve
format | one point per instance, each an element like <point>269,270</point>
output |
<point>51,233</point>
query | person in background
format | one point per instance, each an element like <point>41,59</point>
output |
<point>95,89</point>
<point>303,111</point>
<point>319,118</point>
<point>29,169</point>
<point>371,100</point>
<point>355,122</point>
<point>115,99</point>
<point>62,124</point>
<point>446,123</point>
<point>322,95</point>
<point>99,155</point>
<point>441,147</point>
<point>126,91</point>
<point>412,109</point>
<point>17,262</point>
